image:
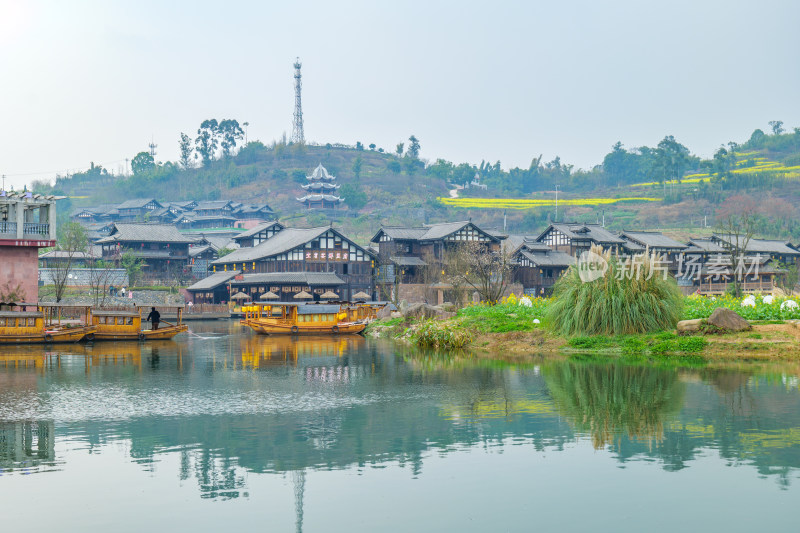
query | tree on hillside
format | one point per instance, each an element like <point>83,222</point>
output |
<point>372,146</point>
<point>186,151</point>
<point>394,166</point>
<point>777,126</point>
<point>353,195</point>
<point>142,162</point>
<point>413,147</point>
<point>359,146</point>
<point>230,132</point>
<point>399,149</point>
<point>672,159</point>
<point>207,141</point>
<point>73,242</point>
<point>357,167</point>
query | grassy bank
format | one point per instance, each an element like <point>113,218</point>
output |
<point>510,329</point>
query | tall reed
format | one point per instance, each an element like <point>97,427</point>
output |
<point>615,304</point>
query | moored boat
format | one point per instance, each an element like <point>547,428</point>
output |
<point>286,318</point>
<point>38,327</point>
<point>127,325</point>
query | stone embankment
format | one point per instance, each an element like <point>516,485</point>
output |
<point>140,298</point>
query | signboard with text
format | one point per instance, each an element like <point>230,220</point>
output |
<point>327,255</point>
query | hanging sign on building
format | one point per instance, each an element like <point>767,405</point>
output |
<point>327,255</point>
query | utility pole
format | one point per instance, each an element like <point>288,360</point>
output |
<point>245,132</point>
<point>4,183</point>
<point>152,147</point>
<point>556,217</point>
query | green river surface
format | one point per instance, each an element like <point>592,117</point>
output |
<point>224,430</point>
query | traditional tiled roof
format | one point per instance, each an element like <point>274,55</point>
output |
<point>207,205</point>
<point>697,246</point>
<point>300,278</point>
<point>764,246</point>
<point>320,185</point>
<point>320,173</point>
<point>593,232</point>
<point>652,239</point>
<point>258,229</point>
<point>408,260</point>
<point>430,232</point>
<point>548,258</point>
<point>137,203</point>
<point>213,281</point>
<point>320,197</point>
<point>123,232</point>
<point>244,209</point>
<point>282,242</point>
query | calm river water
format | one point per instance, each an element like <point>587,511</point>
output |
<point>224,430</point>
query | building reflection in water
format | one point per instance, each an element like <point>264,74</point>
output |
<point>286,406</point>
<point>28,445</point>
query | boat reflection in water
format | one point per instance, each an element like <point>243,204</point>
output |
<point>311,351</point>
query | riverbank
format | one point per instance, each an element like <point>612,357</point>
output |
<point>511,330</point>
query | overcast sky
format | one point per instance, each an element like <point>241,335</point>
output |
<point>94,81</point>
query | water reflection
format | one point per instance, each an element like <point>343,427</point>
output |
<point>611,400</point>
<point>229,404</point>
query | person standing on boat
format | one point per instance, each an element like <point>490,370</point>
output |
<point>154,317</point>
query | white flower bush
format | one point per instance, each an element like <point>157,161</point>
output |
<point>768,299</point>
<point>536,321</point>
<point>788,304</point>
<point>525,301</point>
<point>750,301</point>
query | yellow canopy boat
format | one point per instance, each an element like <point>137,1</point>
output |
<point>285,318</point>
<point>127,325</point>
<point>41,326</point>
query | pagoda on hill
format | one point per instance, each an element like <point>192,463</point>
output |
<point>321,190</point>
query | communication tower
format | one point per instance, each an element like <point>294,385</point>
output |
<point>297,125</point>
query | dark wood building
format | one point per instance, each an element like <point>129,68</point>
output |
<point>163,248</point>
<point>575,238</point>
<point>259,234</point>
<point>293,250</point>
<point>406,251</point>
<point>537,267</point>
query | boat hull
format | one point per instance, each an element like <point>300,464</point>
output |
<point>265,328</point>
<point>50,336</point>
<point>164,333</point>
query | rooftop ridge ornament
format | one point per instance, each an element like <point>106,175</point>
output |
<point>297,124</point>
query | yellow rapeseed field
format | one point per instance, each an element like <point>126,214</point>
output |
<point>528,203</point>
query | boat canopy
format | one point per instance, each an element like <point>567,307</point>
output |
<point>314,309</point>
<point>20,314</point>
<point>101,312</point>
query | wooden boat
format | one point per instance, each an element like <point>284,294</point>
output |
<point>127,325</point>
<point>38,327</point>
<point>286,318</point>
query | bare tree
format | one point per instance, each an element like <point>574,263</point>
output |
<point>737,231</point>
<point>485,271</point>
<point>73,244</point>
<point>100,277</point>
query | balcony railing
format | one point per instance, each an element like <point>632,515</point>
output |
<point>33,228</point>
<point>8,227</point>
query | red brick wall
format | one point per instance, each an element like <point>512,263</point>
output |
<point>19,265</point>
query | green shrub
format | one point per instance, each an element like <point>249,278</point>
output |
<point>692,344</point>
<point>615,304</point>
<point>435,334</point>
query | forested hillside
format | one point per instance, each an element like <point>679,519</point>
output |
<point>661,187</point>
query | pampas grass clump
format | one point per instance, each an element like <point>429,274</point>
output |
<point>615,304</point>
